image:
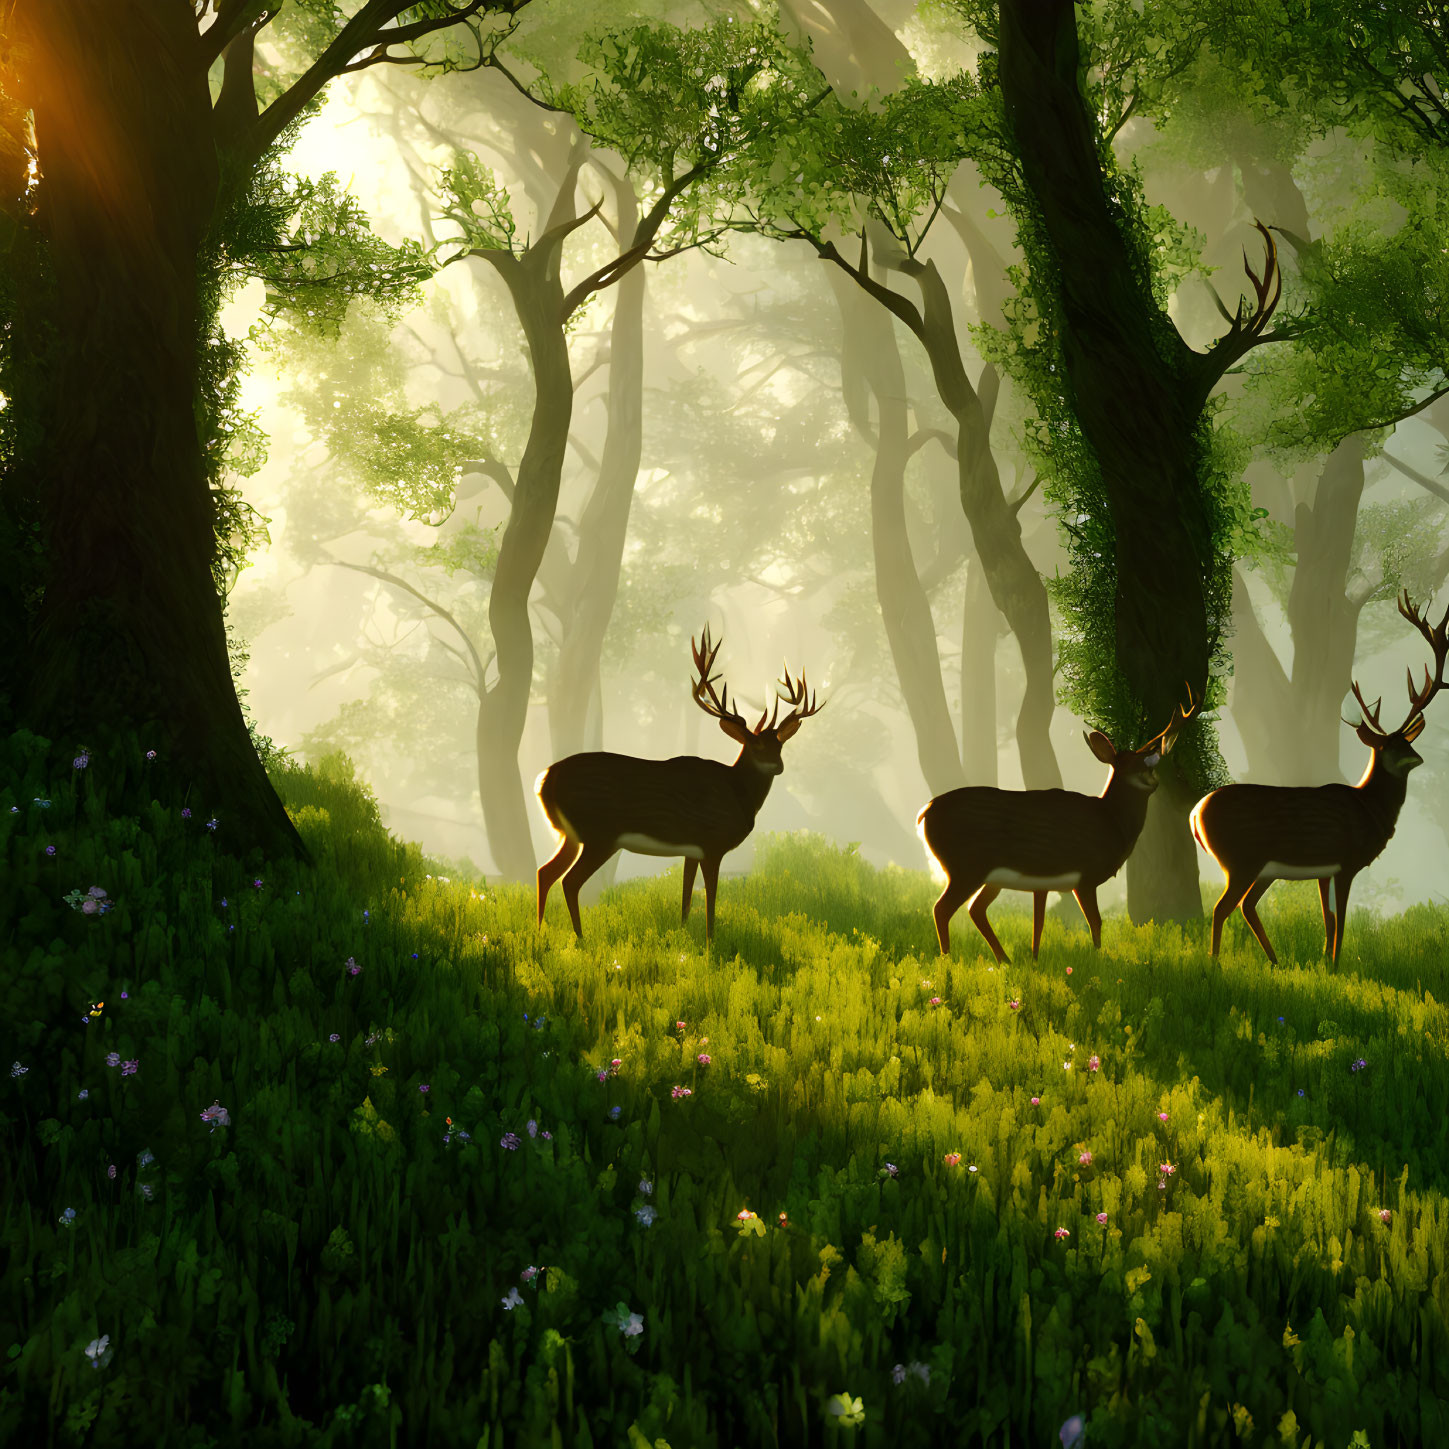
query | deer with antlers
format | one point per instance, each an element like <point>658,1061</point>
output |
<point>700,809</point>
<point>1328,833</point>
<point>989,840</point>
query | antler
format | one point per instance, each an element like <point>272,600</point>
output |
<point>796,694</point>
<point>1168,737</point>
<point>1270,281</point>
<point>1438,637</point>
<point>717,705</point>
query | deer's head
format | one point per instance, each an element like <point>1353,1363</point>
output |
<point>1137,769</point>
<point>760,747</point>
<point>1394,749</point>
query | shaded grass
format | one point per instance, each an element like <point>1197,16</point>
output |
<point>327,1269</point>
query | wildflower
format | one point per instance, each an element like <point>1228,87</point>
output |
<point>602,1075</point>
<point>511,1141</point>
<point>67,1218</point>
<point>1066,1066</point>
<point>145,1157</point>
<point>217,1115</point>
<point>679,1025</point>
<point>784,1220</point>
<point>514,1299</point>
<point>845,1410</point>
<point>336,1036</point>
<point>1162,1116</point>
<point>1073,1433</point>
<point>925,985</point>
<point>352,967</point>
<point>16,1070</point>
<point>150,754</point>
<point>1359,1065</point>
<point>645,1214</point>
<point>892,1169</point>
<point>1069,970</point>
<point>745,1215</point>
<point>614,1114</point>
<point>1036,1101</point>
<point>898,1373</point>
<point>1102,1219</point>
<point>212,824</point>
<point>934,1001</point>
<point>953,1159</point>
<point>646,1187</point>
<point>44,804</point>
<point>1280,1021</point>
<point>125,995</point>
<point>1385,1215</point>
<point>1300,1091</point>
<point>257,883</point>
<point>1093,1063</point>
<point>678,1092</point>
<point>529,1274</point>
<point>614,1066</point>
<point>971,1167</point>
<point>1063,1233</point>
<point>98,1350</point>
<point>50,850</point>
<point>1166,1168</point>
<point>633,1325</point>
<point>83,1094</point>
<point>81,760</point>
<point>547,1136</point>
<point>111,1171</point>
<point>532,1127</point>
<point>704,1059</point>
<point>147,1191</point>
<point>1084,1158</point>
<point>186,812</point>
<point>130,1068</point>
<point>424,1088</point>
<point>1015,1006</point>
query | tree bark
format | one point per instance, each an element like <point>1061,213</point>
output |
<point>871,365</point>
<point>1135,390</point>
<point>130,634</point>
<point>980,625</point>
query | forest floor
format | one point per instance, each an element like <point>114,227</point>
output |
<point>356,1154</point>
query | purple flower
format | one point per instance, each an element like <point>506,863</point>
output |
<point>898,1373</point>
<point>703,1059</point>
<point>336,1036</point>
<point>147,1191</point>
<point>67,1218</point>
<point>614,1114</point>
<point>90,908</point>
<point>212,823</point>
<point>130,1068</point>
<point>83,1093</point>
<point>352,967</point>
<point>532,1127</point>
<point>50,850</point>
<point>424,1087</point>
<point>547,1136</point>
<point>150,754</point>
<point>602,1075</point>
<point>97,893</point>
<point>217,1115</point>
<point>257,883</point>
<point>186,812</point>
<point>511,1140</point>
<point>529,1274</point>
<point>113,1059</point>
<point>111,1171</point>
<point>1073,1432</point>
<point>81,760</point>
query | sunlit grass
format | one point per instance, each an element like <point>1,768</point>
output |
<point>327,1268</point>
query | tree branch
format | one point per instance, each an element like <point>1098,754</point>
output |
<point>1422,479</point>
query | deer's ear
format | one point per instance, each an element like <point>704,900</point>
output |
<point>1414,729</point>
<point>735,730</point>
<point>787,729</point>
<point>1367,736</point>
<point>1100,746</point>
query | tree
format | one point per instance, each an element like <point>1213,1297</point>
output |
<point>150,126</point>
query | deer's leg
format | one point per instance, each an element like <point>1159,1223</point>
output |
<point>1087,900</point>
<point>709,868</point>
<point>1325,900</point>
<point>551,869</point>
<point>1250,915</point>
<point>1338,895</point>
<point>1233,892</point>
<point>1038,918</point>
<point>690,866</point>
<point>977,911</point>
<point>590,858</point>
<point>947,904</point>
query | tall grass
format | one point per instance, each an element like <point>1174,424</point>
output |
<point>345,1258</point>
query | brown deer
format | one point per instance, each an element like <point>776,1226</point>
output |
<point>700,809</point>
<point>1328,833</point>
<point>989,840</point>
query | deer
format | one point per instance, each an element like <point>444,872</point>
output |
<point>988,840</point>
<point>599,802</point>
<point>1329,833</point>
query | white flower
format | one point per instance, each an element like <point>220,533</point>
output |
<point>634,1324</point>
<point>98,1350</point>
<point>514,1299</point>
<point>645,1214</point>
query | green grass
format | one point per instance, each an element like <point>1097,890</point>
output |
<point>327,1269</point>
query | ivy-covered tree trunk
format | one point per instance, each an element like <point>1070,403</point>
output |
<point>1138,400</point>
<point>129,633</point>
<point>871,365</point>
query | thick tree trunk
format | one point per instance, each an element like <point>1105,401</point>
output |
<point>1163,885</point>
<point>871,364</point>
<point>1261,699</point>
<point>130,632</point>
<point>1133,393</point>
<point>980,624</point>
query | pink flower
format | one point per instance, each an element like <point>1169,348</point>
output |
<point>1093,1063</point>
<point>130,1068</point>
<point>1162,1116</point>
<point>934,1001</point>
<point>602,1075</point>
<point>704,1059</point>
<point>424,1087</point>
<point>1385,1215</point>
<point>615,1064</point>
<point>1166,1168</point>
<point>352,967</point>
<point>1063,1233</point>
<point>953,1159</point>
<point>217,1115</point>
<point>1014,1005</point>
<point>1036,1101</point>
<point>744,1215</point>
<point>1069,970</point>
<point>1085,1158</point>
<point>1102,1218</point>
<point>679,1026</point>
<point>678,1092</point>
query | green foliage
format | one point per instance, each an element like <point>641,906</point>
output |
<point>346,1259</point>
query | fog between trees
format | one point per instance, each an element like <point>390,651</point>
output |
<point>796,481</point>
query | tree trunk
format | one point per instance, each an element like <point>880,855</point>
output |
<point>980,624</point>
<point>871,364</point>
<point>130,634</point>
<point>533,281</point>
<point>1163,885</point>
<point>1262,699</point>
<point>1133,390</point>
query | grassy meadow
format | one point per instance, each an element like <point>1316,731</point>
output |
<point>355,1155</point>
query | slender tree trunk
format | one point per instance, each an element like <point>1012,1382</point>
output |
<point>980,625</point>
<point>537,294</point>
<point>871,364</point>
<point>1133,390</point>
<point>130,633</point>
<point>1262,700</point>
